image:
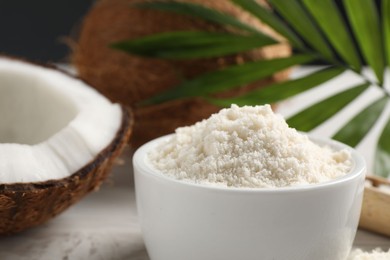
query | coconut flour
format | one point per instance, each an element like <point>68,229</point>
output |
<point>376,254</point>
<point>247,147</point>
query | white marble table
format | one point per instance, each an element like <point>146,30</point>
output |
<point>104,226</point>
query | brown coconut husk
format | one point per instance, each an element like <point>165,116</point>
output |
<point>25,205</point>
<point>129,79</point>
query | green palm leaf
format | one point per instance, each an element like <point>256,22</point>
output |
<point>296,15</point>
<point>316,114</point>
<point>355,130</point>
<point>198,11</point>
<point>192,44</point>
<point>386,27</point>
<point>228,78</point>
<point>382,155</point>
<point>270,19</point>
<point>316,29</point>
<point>328,17</point>
<point>364,19</point>
<point>280,91</point>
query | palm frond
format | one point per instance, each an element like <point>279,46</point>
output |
<point>228,78</point>
<point>328,17</point>
<point>271,20</point>
<point>364,19</point>
<point>358,127</point>
<point>190,45</point>
<point>316,30</point>
<point>386,27</point>
<point>198,11</point>
<point>382,154</point>
<point>280,91</point>
<point>301,21</point>
<point>318,113</point>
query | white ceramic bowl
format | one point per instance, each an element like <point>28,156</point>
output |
<point>184,221</point>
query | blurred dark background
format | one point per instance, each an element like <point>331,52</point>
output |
<point>36,29</point>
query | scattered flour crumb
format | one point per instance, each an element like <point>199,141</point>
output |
<point>247,147</point>
<point>376,254</point>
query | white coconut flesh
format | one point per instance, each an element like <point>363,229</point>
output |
<point>51,124</point>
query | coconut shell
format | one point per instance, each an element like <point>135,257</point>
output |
<point>129,79</point>
<point>25,205</point>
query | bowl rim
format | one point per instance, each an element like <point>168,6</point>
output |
<point>142,166</point>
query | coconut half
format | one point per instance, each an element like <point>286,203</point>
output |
<point>58,139</point>
<point>130,79</point>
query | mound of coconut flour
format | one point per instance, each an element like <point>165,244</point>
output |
<point>376,254</point>
<point>247,147</point>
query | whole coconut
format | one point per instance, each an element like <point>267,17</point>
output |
<point>129,79</point>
